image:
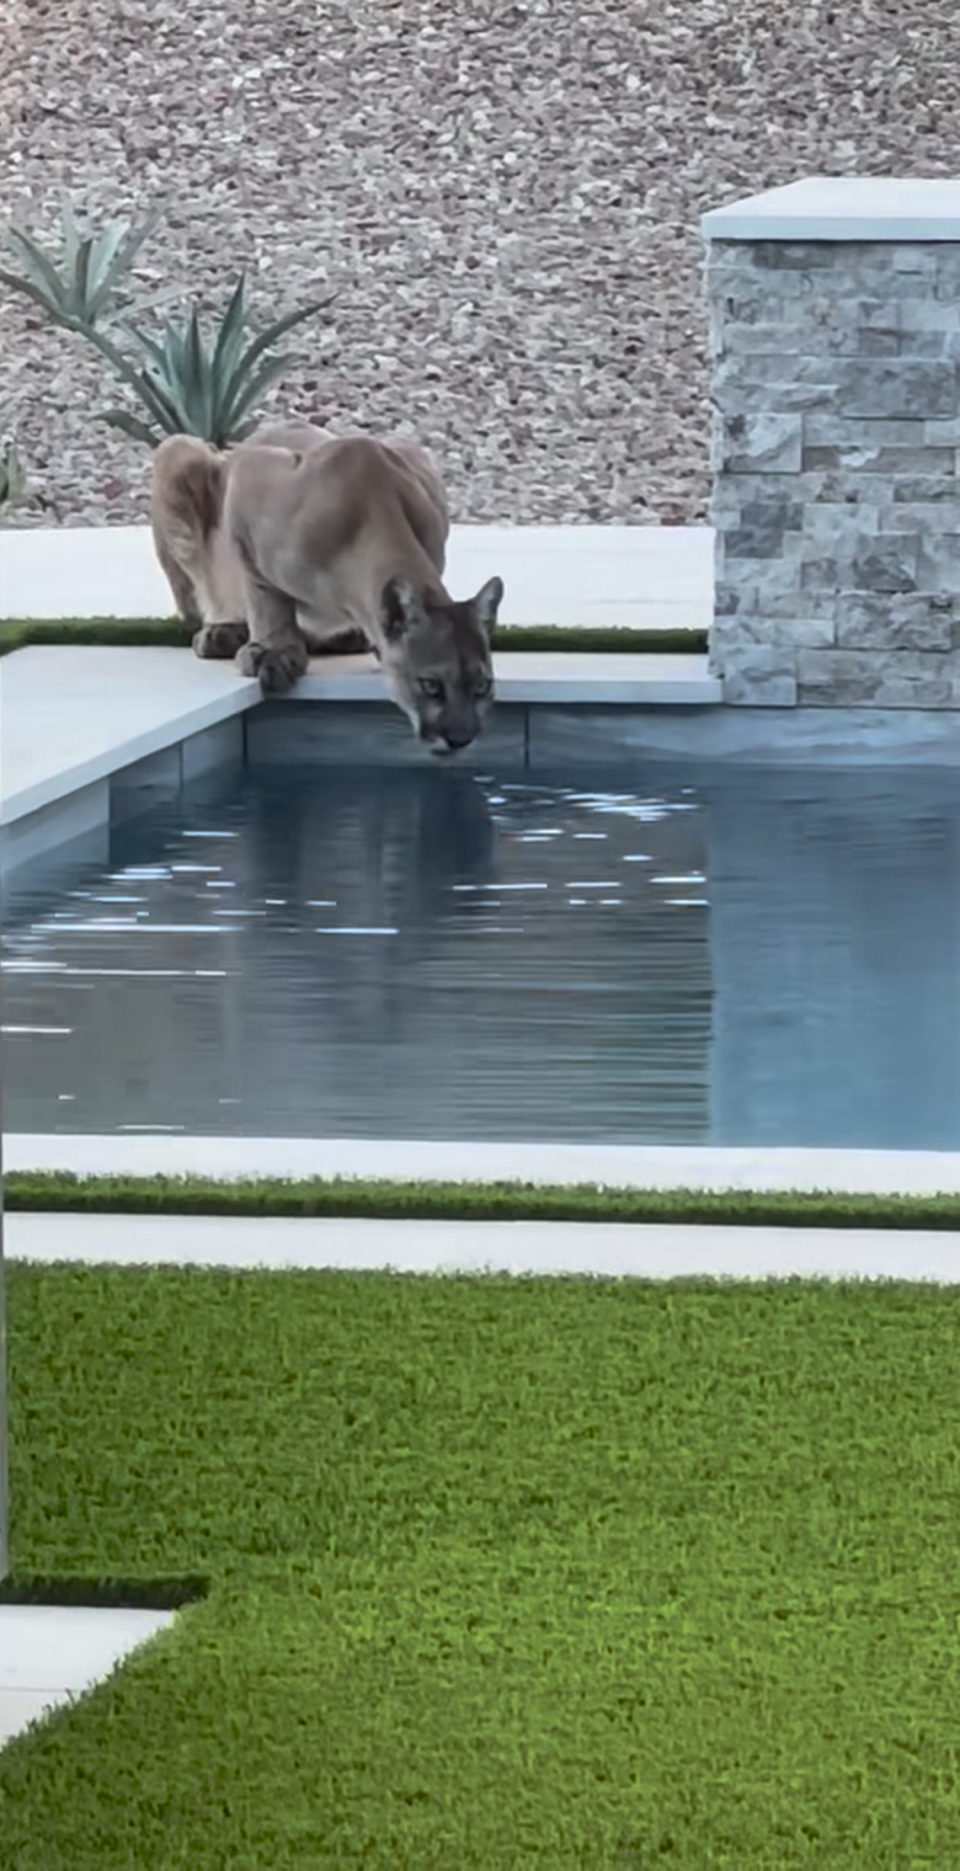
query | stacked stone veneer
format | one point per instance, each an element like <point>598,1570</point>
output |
<point>837,430</point>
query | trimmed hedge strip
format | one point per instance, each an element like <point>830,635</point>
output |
<point>174,633</point>
<point>55,1192</point>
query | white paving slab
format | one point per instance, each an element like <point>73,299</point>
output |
<point>69,717</point>
<point>857,1172</point>
<point>49,1653</point>
<point>578,575</point>
<point>614,1249</point>
<point>20,1707</point>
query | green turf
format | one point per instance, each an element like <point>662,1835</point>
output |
<point>574,1573</point>
<point>60,1192</point>
<point>172,632</point>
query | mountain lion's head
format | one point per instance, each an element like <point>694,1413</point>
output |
<point>436,661</point>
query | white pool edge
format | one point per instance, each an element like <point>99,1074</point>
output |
<point>684,1167</point>
<point>523,1249</point>
<point>51,1654</point>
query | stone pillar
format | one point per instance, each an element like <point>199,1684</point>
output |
<point>835,331</point>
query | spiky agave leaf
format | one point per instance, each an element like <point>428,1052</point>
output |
<point>145,388</point>
<point>208,388</point>
<point>229,346</point>
<point>131,425</point>
<point>249,393</point>
<point>81,285</point>
<point>244,374</point>
<point>177,376</point>
<point>110,257</point>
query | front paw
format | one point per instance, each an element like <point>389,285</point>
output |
<point>220,640</point>
<point>277,668</point>
<point>348,642</point>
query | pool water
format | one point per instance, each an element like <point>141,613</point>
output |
<point>750,957</point>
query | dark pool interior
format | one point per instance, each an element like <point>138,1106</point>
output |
<point>737,957</point>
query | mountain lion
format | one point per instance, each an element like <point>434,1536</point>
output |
<point>298,541</point>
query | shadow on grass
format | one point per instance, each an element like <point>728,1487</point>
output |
<point>27,1588</point>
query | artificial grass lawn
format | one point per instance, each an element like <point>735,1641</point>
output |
<point>173,632</point>
<point>60,1192</point>
<point>582,1573</point>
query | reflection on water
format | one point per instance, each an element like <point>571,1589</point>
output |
<point>754,958</point>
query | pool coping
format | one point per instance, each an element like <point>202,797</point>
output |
<point>76,716</point>
<point>560,1165</point>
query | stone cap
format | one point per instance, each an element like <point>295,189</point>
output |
<point>841,207</point>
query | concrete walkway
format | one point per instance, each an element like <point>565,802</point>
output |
<point>630,1250</point>
<point>653,576</point>
<point>50,1653</point>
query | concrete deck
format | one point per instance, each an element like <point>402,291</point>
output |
<point>614,1249</point>
<point>51,1653</point>
<point>562,1165</point>
<point>634,576</point>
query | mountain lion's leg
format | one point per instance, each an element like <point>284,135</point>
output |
<point>180,582</point>
<point>222,598</point>
<point>186,494</point>
<point>277,650</point>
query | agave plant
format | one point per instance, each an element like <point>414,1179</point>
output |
<point>195,386</point>
<point>84,282</point>
<point>185,383</point>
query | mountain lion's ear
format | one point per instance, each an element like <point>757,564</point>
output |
<point>487,603</point>
<point>400,609</point>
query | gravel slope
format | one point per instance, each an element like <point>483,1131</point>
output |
<point>504,204</point>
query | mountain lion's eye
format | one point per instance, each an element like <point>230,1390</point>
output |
<point>432,686</point>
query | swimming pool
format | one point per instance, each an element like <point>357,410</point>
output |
<point>743,957</point>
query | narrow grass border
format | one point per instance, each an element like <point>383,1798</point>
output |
<point>173,633</point>
<point>27,1588</point>
<point>55,1192</point>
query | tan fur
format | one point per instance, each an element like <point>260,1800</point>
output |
<point>186,516</point>
<point>298,540</point>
